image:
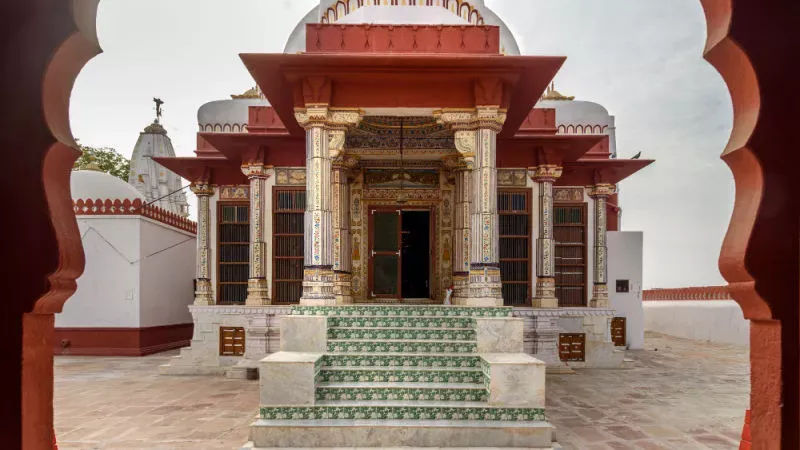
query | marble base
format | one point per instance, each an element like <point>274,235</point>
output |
<point>544,302</point>
<point>414,434</point>
<point>499,334</point>
<point>515,380</point>
<point>304,334</point>
<point>288,378</point>
<point>480,302</point>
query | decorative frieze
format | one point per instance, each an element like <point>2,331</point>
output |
<point>512,178</point>
<point>290,177</point>
<point>227,193</point>
<point>568,194</point>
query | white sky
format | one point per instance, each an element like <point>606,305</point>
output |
<point>642,59</point>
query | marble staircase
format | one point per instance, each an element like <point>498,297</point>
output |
<point>419,376</point>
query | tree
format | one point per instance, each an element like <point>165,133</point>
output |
<point>106,159</point>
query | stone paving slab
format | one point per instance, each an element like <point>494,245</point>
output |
<point>675,394</point>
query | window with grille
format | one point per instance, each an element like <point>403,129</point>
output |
<point>515,245</point>
<point>233,252</point>
<point>287,231</point>
<point>231,341</point>
<point>569,230</point>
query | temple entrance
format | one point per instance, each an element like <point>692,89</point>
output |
<point>400,254</point>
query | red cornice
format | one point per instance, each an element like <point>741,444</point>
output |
<point>109,207</point>
<point>688,293</point>
<point>612,171</point>
<point>528,150</point>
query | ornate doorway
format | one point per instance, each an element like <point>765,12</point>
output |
<point>400,254</point>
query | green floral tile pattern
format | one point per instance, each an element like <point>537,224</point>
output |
<point>403,413</point>
<point>402,322</point>
<point>392,393</point>
<point>465,334</point>
<point>401,361</point>
<point>401,376</point>
<point>392,346</point>
<point>404,311</point>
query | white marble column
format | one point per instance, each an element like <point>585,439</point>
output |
<point>545,295</point>
<point>600,193</point>
<point>204,294</point>
<point>324,130</point>
<point>342,263</point>
<point>461,232</point>
<point>257,286</point>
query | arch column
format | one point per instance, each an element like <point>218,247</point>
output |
<point>545,295</point>
<point>461,232</point>
<point>600,193</point>
<point>325,130</point>
<point>257,286</point>
<point>204,293</point>
<point>342,256</point>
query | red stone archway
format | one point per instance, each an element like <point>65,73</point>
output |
<point>753,43</point>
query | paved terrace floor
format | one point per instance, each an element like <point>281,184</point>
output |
<point>675,394</point>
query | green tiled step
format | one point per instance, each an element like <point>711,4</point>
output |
<point>366,392</point>
<point>401,360</point>
<point>403,311</point>
<point>400,346</point>
<point>447,334</point>
<point>397,375</point>
<point>401,322</point>
<point>403,411</point>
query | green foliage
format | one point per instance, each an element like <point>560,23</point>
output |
<point>105,159</point>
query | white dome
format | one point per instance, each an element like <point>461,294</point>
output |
<point>402,15</point>
<point>574,112</point>
<point>227,116</point>
<point>93,184</point>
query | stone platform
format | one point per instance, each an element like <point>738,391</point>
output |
<point>414,376</point>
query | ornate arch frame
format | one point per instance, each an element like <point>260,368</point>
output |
<point>751,43</point>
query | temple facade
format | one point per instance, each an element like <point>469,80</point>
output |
<point>395,162</point>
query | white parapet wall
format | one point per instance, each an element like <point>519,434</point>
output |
<point>718,321</point>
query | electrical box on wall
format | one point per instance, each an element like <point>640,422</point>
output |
<point>623,286</point>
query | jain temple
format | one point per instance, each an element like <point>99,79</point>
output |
<point>402,228</point>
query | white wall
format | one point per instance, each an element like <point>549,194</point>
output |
<point>625,263</point>
<point>704,320</point>
<point>108,291</point>
<point>167,272</point>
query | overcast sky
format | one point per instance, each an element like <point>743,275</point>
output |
<point>642,59</point>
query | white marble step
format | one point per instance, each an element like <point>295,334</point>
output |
<point>396,368</point>
<point>433,404</point>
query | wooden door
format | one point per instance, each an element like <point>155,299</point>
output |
<point>572,347</point>
<point>385,255</point>
<point>618,325</point>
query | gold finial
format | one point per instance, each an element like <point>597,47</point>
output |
<point>253,92</point>
<point>552,94</point>
<point>93,166</point>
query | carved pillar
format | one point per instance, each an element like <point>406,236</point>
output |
<point>203,294</point>
<point>545,295</point>
<point>342,262</point>
<point>461,232</point>
<point>476,142</point>
<point>257,286</point>
<point>323,128</point>
<point>600,193</point>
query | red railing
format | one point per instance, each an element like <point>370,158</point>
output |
<point>108,207</point>
<point>688,293</point>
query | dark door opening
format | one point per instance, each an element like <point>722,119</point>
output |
<point>416,244</point>
<point>400,254</point>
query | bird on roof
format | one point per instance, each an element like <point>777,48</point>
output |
<point>637,156</point>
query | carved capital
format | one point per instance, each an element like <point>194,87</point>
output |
<point>547,173</point>
<point>466,143</point>
<point>491,117</point>
<point>602,190</point>
<point>457,119</point>
<point>336,139</point>
<point>312,116</point>
<point>201,189</point>
<point>256,170</point>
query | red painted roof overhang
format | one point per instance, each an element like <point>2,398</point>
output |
<point>400,80</point>
<point>612,171</point>
<point>280,150</point>
<point>535,150</point>
<point>219,171</point>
